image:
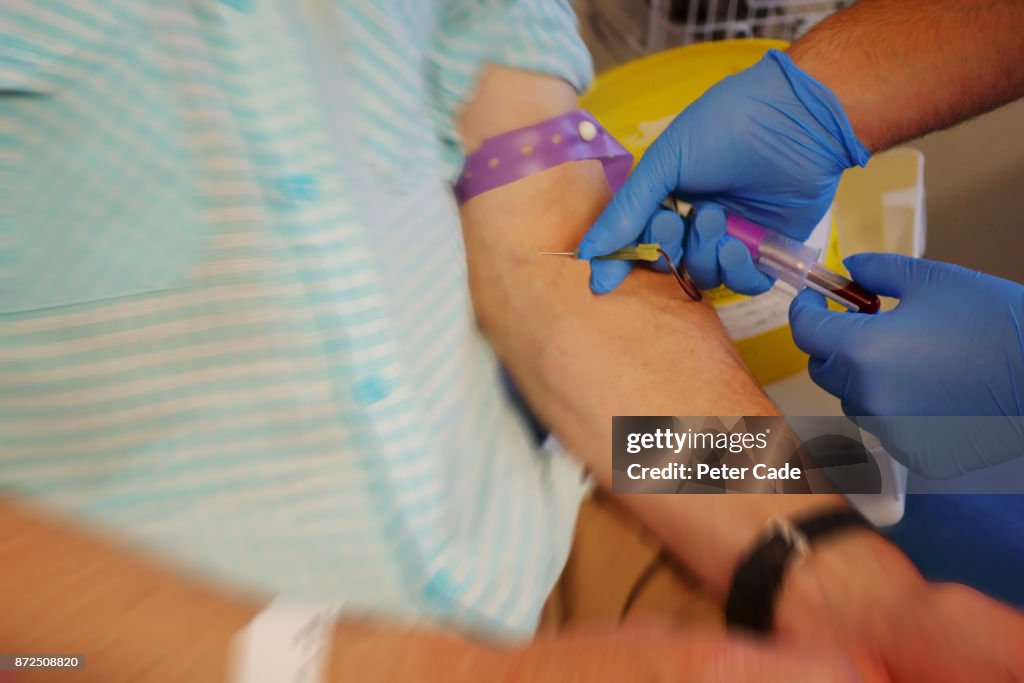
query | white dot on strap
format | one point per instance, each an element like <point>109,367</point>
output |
<point>587,130</point>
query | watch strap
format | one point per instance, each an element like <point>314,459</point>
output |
<point>759,575</point>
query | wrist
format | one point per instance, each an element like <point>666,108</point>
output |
<point>844,81</point>
<point>844,585</point>
<point>824,104</point>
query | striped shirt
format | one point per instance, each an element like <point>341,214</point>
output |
<point>235,326</point>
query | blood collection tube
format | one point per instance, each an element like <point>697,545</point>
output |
<point>796,264</point>
<point>793,262</point>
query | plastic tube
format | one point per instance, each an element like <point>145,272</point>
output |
<point>797,265</point>
<point>792,262</point>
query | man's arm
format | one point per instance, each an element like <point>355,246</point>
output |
<point>580,359</point>
<point>65,591</point>
<point>646,350</point>
<point>903,68</point>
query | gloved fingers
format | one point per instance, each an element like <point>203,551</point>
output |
<point>818,331</point>
<point>665,228</point>
<point>607,275</point>
<point>737,268</point>
<point>886,274</point>
<point>707,228</point>
<point>626,215</point>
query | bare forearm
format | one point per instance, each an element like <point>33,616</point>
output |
<point>646,349</point>
<point>580,358</point>
<point>65,591</point>
<point>903,68</point>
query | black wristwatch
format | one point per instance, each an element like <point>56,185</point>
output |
<point>759,575</point>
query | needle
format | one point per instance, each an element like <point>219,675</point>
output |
<point>643,252</point>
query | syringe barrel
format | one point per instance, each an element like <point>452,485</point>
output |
<point>796,264</point>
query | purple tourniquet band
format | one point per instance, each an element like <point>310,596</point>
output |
<point>510,156</point>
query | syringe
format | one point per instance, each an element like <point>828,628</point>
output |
<point>791,261</point>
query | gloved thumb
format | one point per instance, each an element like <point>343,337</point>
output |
<point>629,210</point>
<point>886,274</point>
<point>818,331</point>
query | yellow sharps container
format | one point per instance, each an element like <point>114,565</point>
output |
<point>636,102</point>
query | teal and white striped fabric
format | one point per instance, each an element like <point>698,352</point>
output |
<point>234,319</point>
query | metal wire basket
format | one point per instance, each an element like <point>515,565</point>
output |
<point>629,28</point>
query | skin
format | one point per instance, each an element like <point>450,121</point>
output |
<point>903,68</point>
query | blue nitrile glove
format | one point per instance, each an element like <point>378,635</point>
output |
<point>768,143</point>
<point>665,228</point>
<point>954,346</point>
<point>713,258</point>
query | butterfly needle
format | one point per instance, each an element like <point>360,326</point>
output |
<point>643,252</point>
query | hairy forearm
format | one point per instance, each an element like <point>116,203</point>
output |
<point>580,359</point>
<point>64,590</point>
<point>902,68</point>
<point>646,349</point>
<point>643,350</point>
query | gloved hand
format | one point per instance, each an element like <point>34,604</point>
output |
<point>713,258</point>
<point>954,346</point>
<point>665,228</point>
<point>768,143</point>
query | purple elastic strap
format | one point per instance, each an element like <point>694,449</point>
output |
<point>510,156</point>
